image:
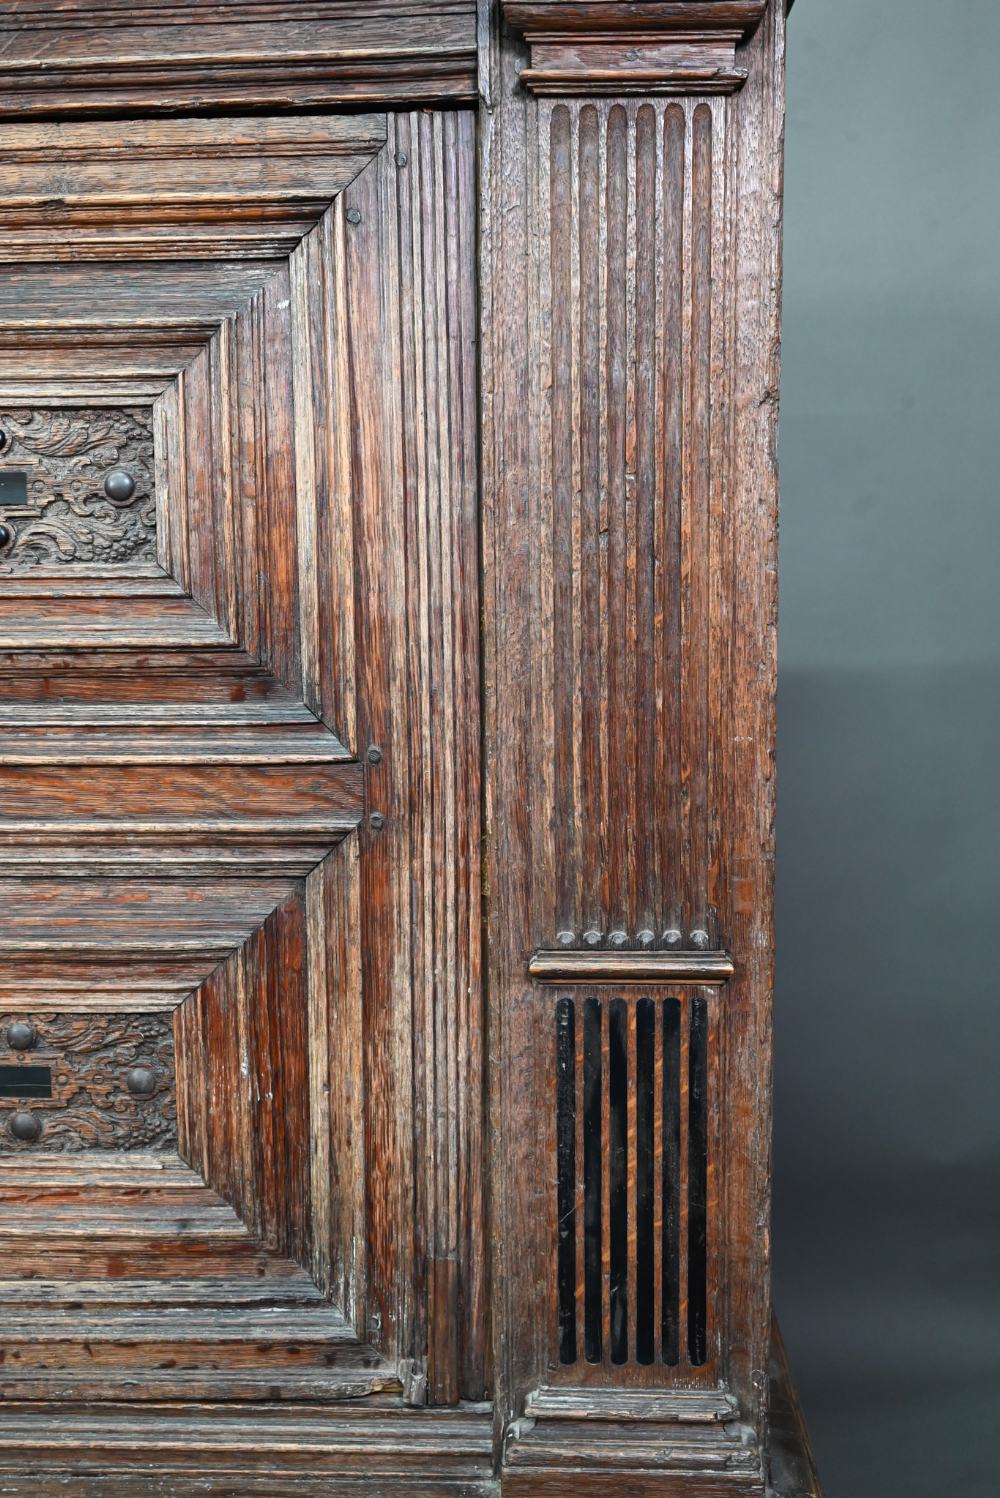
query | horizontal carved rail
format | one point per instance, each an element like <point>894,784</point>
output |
<point>631,967</point>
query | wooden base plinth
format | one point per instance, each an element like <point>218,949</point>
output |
<point>381,1448</point>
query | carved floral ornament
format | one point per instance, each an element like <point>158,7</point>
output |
<point>648,47</point>
<point>73,511</point>
<point>92,1105</point>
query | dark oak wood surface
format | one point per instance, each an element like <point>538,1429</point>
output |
<point>155,56</point>
<point>387,611</point>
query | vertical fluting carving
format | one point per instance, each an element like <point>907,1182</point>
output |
<point>388,386</point>
<point>633,405</point>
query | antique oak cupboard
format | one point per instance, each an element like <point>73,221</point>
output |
<point>387,600</point>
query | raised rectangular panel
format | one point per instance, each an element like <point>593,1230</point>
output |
<point>224,770</point>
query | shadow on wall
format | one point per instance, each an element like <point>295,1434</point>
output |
<point>887,1220</point>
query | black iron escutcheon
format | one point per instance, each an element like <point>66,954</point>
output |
<point>13,486</point>
<point>13,492</point>
<point>25,1081</point>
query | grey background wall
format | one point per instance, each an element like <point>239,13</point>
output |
<point>887,1151</point>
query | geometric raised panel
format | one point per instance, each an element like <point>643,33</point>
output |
<point>387,559</point>
<point>198,842</point>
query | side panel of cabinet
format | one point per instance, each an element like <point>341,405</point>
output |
<point>631,273</point>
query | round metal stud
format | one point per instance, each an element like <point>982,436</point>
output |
<point>377,821</point>
<point>566,938</point>
<point>27,1127</point>
<point>21,1036</point>
<point>119,485</point>
<point>618,938</point>
<point>646,937</point>
<point>141,1082</point>
<point>592,938</point>
<point>354,215</point>
<point>6,535</point>
<point>672,938</point>
<point>374,755</point>
<point>699,940</point>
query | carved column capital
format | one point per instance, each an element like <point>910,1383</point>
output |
<point>634,46</point>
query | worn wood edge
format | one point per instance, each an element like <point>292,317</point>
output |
<point>538,18</point>
<point>44,1482</point>
<point>791,1462</point>
<point>574,1482</point>
<point>572,1435</point>
<point>631,967</point>
<point>375,1449</point>
<point>422,55</point>
<point>683,1406</point>
<point>185,189</point>
<point>647,82</point>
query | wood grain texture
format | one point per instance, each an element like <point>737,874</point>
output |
<point>98,56</point>
<point>633,1304</point>
<point>631,272</point>
<point>365,1451</point>
<point>600,47</point>
<point>403,383</point>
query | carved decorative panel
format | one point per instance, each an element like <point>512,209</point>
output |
<point>79,486</point>
<point>111,1079</point>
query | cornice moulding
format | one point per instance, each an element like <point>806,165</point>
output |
<point>597,47</point>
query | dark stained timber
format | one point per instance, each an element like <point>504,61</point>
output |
<point>698,1106</point>
<point>631,232</point>
<point>645,1193</point>
<point>566,1174</point>
<point>593,1180</point>
<point>618,1169</point>
<point>640,1071</point>
<point>100,56</point>
<point>259,1178</point>
<point>671,1182</point>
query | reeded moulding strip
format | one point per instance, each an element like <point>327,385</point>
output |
<point>631,967</point>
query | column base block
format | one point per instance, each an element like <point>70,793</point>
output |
<point>579,1443</point>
